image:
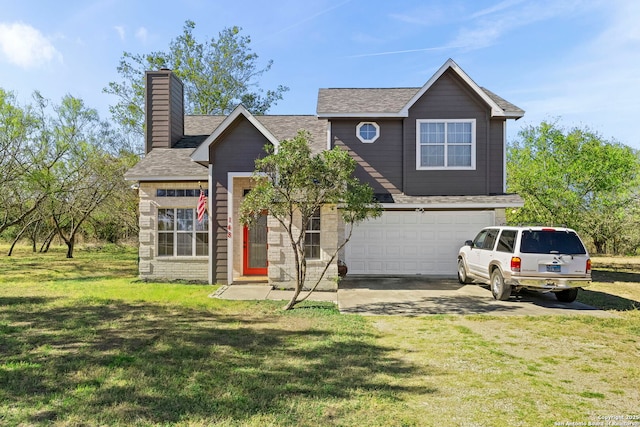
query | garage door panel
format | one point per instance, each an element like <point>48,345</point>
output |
<point>426,219</point>
<point>358,252</point>
<point>409,219</point>
<point>410,242</point>
<point>393,251</point>
<point>355,265</point>
<point>393,220</point>
<point>376,267</point>
<point>426,235</point>
<point>374,252</point>
<point>410,251</point>
<point>393,234</point>
<point>444,220</point>
<point>373,235</point>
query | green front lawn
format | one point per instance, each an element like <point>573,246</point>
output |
<point>82,342</point>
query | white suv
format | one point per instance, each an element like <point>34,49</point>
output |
<point>545,259</point>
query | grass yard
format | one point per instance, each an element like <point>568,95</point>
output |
<point>82,342</point>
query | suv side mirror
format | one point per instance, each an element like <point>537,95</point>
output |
<point>469,243</point>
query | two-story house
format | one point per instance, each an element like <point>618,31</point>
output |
<point>435,156</point>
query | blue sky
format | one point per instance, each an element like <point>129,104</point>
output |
<point>574,60</point>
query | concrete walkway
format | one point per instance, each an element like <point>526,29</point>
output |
<point>416,296</point>
<point>251,292</point>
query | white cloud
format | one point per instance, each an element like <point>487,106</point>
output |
<point>496,8</point>
<point>624,29</point>
<point>396,52</point>
<point>142,34</point>
<point>121,31</point>
<point>25,46</point>
<point>490,25</point>
<point>598,82</point>
<point>422,16</point>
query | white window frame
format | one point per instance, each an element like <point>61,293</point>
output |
<point>368,141</point>
<point>310,231</point>
<point>446,144</point>
<point>175,232</point>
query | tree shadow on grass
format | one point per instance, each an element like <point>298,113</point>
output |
<point>611,276</point>
<point>120,363</point>
<point>605,301</point>
<point>459,305</point>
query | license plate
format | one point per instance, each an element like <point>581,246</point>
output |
<point>553,268</point>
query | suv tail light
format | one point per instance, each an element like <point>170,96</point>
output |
<point>588,265</point>
<point>516,263</point>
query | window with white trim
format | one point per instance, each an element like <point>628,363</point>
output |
<point>180,233</point>
<point>367,132</point>
<point>446,144</point>
<point>312,237</point>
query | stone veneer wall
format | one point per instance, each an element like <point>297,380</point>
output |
<point>165,268</point>
<point>282,261</point>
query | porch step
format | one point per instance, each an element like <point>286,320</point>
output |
<point>245,280</point>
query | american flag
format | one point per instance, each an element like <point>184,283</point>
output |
<point>202,206</point>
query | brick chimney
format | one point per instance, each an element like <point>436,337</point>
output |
<point>164,109</point>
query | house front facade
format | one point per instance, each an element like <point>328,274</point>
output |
<point>434,155</point>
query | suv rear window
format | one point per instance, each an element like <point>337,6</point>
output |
<point>551,242</point>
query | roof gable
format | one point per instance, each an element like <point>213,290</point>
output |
<point>396,102</point>
<point>495,109</point>
<point>275,129</point>
<point>201,154</point>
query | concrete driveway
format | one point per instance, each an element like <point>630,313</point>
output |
<point>418,295</point>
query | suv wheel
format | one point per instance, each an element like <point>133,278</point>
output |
<point>462,273</point>
<point>499,289</point>
<point>568,295</point>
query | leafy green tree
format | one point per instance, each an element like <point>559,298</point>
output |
<point>574,178</point>
<point>292,184</point>
<point>88,176</point>
<point>21,161</point>
<point>217,74</point>
<point>59,164</point>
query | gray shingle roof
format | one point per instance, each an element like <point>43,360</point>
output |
<point>167,164</point>
<point>373,100</point>
<point>504,104</point>
<point>383,101</point>
<point>201,125</point>
<point>496,201</point>
<point>282,127</point>
<point>285,127</point>
<point>175,163</point>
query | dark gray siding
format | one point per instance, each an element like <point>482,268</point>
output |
<point>380,162</point>
<point>164,114</point>
<point>235,151</point>
<point>496,157</point>
<point>451,98</point>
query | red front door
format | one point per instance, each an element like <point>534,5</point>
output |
<point>254,253</point>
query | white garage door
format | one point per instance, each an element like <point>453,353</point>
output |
<point>410,242</point>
